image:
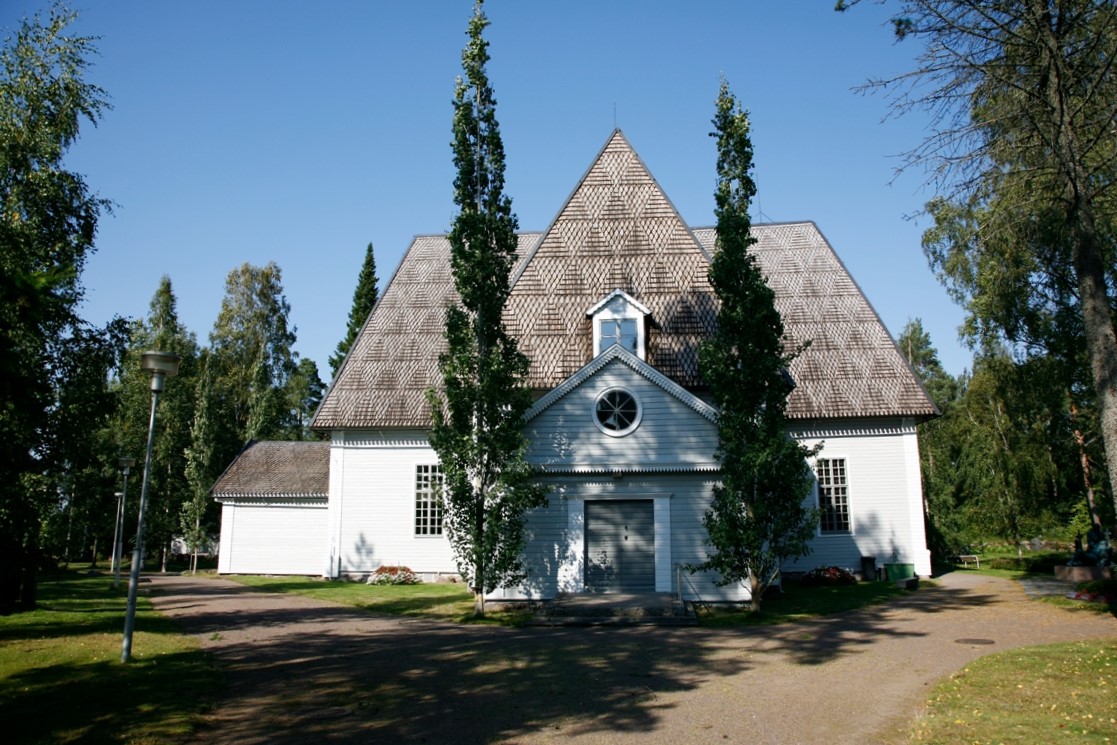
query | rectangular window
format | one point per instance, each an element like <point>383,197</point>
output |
<point>618,331</point>
<point>428,500</point>
<point>833,495</point>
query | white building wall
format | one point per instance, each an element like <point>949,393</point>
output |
<point>885,496</point>
<point>372,504</point>
<point>670,432</point>
<point>271,538</point>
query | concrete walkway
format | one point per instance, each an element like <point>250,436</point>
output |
<point>302,671</point>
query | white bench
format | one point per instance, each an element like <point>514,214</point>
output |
<point>968,559</point>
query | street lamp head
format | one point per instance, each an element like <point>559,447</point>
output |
<point>161,365</point>
<point>126,463</point>
<point>118,494</point>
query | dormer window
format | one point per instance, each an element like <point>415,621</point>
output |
<point>619,319</point>
<point>618,331</point>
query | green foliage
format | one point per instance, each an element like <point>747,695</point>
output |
<point>48,219</point>
<point>251,353</point>
<point>304,394</point>
<point>168,486</point>
<point>477,430</point>
<point>1023,234</point>
<point>757,517</point>
<point>364,298</point>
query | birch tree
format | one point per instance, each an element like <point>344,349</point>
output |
<point>1023,99</point>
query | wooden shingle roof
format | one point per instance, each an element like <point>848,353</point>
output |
<point>618,230</point>
<point>277,469</point>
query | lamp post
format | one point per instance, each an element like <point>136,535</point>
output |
<point>161,365</point>
<point>118,527</point>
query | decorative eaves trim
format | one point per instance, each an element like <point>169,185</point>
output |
<point>290,500</point>
<point>621,294</point>
<point>616,470</point>
<point>859,428</point>
<point>618,353</point>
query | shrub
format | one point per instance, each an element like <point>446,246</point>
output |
<point>1044,563</point>
<point>391,574</point>
<point>827,577</point>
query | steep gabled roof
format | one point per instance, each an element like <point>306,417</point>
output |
<point>852,367</point>
<point>394,360</point>
<point>618,231</point>
<point>277,469</point>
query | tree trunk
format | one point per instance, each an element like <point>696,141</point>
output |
<point>1101,343</point>
<point>1084,459</point>
<point>754,587</point>
<point>1089,264</point>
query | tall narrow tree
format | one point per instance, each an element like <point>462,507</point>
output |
<point>202,467</point>
<point>477,429</point>
<point>364,298</point>
<point>167,488</point>
<point>757,517</point>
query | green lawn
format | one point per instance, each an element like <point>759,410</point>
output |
<point>1056,693</point>
<point>61,679</point>
<point>797,603</point>
<point>444,601</point>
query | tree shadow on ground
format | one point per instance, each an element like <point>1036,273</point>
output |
<point>335,674</point>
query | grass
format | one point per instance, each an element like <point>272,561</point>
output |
<point>1060,692</point>
<point>61,679</point>
<point>443,601</point>
<point>797,603</point>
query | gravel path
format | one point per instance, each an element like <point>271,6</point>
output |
<point>302,671</point>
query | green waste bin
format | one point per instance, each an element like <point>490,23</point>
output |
<point>897,572</point>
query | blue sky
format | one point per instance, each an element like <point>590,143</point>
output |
<point>298,132</point>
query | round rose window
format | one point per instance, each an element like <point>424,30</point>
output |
<point>617,412</point>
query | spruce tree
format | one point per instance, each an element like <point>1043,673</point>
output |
<point>364,298</point>
<point>477,429</point>
<point>757,517</point>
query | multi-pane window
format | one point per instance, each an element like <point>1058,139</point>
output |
<point>428,500</point>
<point>833,495</point>
<point>618,331</point>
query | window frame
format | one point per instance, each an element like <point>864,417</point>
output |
<point>632,426</point>
<point>618,306</point>
<point>429,515</point>
<point>832,496</point>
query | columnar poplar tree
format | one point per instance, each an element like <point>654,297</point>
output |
<point>364,297</point>
<point>477,430</point>
<point>757,517</point>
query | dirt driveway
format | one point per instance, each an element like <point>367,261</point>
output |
<point>302,671</point>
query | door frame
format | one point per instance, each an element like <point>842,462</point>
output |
<point>572,574</point>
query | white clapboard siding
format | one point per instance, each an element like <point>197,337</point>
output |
<point>885,498</point>
<point>671,433</point>
<point>372,504</point>
<point>272,539</point>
